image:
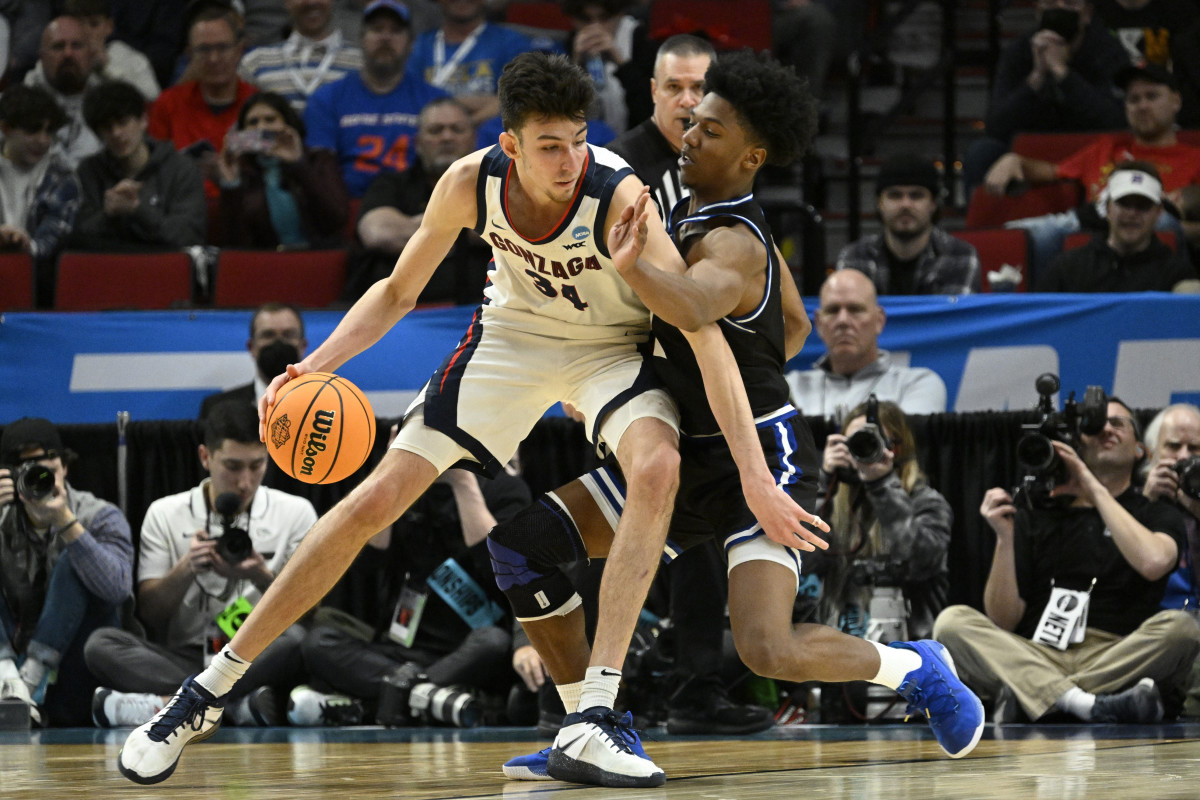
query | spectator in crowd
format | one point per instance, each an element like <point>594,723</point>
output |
<point>196,114</point>
<point>275,192</point>
<point>912,255</point>
<point>1059,77</point>
<point>39,193</point>
<point>849,321</point>
<point>27,20</point>
<point>138,193</point>
<point>1185,66</point>
<point>890,532</point>
<point>1151,102</point>
<point>66,566</point>
<point>65,69</point>
<point>276,340</point>
<point>616,50</point>
<point>112,59</point>
<point>1131,257</point>
<point>440,619</point>
<point>394,205</point>
<point>652,147</point>
<point>369,117</point>
<point>1101,561</point>
<point>466,54</point>
<point>1173,437</point>
<point>204,559</point>
<point>1147,28</point>
<point>315,54</point>
<point>695,585</point>
<point>158,30</point>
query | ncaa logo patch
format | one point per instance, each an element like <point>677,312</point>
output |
<point>581,233</point>
<point>281,431</point>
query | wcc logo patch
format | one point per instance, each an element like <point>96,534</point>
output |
<point>281,431</point>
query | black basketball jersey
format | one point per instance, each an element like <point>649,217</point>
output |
<point>756,338</point>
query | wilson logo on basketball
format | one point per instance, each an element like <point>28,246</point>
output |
<point>322,427</point>
<point>281,431</point>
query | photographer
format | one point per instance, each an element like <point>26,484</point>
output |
<point>890,531</point>
<point>1072,621</point>
<point>275,192</point>
<point>438,618</point>
<point>66,565</point>
<point>1173,476</point>
<point>205,557</point>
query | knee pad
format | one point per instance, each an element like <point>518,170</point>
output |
<point>525,554</point>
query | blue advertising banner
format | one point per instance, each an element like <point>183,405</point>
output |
<point>86,367</point>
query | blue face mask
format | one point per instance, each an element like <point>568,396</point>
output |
<point>1063,21</point>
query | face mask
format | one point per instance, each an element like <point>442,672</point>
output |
<point>274,358</point>
<point>1063,21</point>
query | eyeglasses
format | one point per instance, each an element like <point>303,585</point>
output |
<point>1121,423</point>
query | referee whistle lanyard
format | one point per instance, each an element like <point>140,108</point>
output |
<point>297,55</point>
<point>443,69</point>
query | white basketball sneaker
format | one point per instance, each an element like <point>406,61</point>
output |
<point>599,746</point>
<point>152,751</point>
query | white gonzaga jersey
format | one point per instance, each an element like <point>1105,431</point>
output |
<point>567,274</point>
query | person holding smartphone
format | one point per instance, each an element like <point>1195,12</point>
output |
<point>275,192</point>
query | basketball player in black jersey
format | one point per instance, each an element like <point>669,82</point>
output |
<point>755,111</point>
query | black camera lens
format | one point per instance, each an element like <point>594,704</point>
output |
<point>33,480</point>
<point>867,444</point>
<point>234,545</point>
<point>445,704</point>
<point>1188,471</point>
<point>1035,454</point>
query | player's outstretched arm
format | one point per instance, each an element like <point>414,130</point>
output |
<point>450,209</point>
<point>782,519</point>
<point>796,324</point>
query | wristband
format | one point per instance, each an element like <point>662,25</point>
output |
<point>69,524</point>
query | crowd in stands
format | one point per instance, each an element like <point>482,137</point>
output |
<point>315,124</point>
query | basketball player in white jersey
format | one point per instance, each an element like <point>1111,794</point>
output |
<point>557,323</point>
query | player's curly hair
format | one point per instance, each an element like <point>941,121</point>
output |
<point>775,104</point>
<point>543,85</point>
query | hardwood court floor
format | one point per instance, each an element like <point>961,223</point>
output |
<point>811,761</point>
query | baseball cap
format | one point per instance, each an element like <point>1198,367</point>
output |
<point>1126,182</point>
<point>908,170</point>
<point>28,432</point>
<point>1147,71</point>
<point>395,6</point>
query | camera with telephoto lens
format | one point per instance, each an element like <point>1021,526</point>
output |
<point>1041,468</point>
<point>33,481</point>
<point>867,444</point>
<point>407,695</point>
<point>1188,473</point>
<point>234,545</point>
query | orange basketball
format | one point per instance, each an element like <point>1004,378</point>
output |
<point>321,428</point>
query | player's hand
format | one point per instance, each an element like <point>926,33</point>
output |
<point>782,519</point>
<point>998,510</point>
<point>268,399</point>
<point>627,236</point>
<point>530,667</point>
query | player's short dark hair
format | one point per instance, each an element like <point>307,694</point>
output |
<point>28,108</point>
<point>574,9</point>
<point>770,100</point>
<point>112,102</point>
<point>283,108</point>
<point>230,420</point>
<point>543,85</point>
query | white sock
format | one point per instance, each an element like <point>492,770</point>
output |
<point>1077,702</point>
<point>8,669</point>
<point>569,693</point>
<point>224,671</point>
<point>894,664</point>
<point>600,686</point>
<point>32,672</point>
